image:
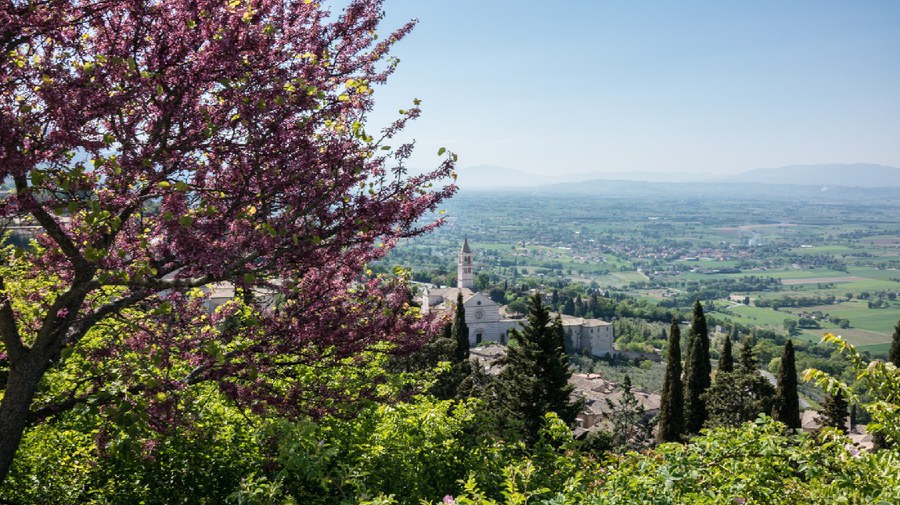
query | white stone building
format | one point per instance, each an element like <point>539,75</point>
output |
<point>487,320</point>
<point>483,315</point>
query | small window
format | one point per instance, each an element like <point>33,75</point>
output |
<point>478,302</point>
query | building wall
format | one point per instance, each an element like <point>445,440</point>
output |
<point>596,340</point>
<point>489,326</point>
<point>601,339</point>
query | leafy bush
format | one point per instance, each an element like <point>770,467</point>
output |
<point>755,463</point>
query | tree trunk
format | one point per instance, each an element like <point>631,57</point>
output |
<point>20,389</point>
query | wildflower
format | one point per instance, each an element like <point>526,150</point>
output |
<point>448,500</point>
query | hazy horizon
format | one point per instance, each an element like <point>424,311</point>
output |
<point>695,88</point>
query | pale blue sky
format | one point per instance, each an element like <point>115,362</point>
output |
<point>712,86</point>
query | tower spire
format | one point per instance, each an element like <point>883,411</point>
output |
<point>465,278</point>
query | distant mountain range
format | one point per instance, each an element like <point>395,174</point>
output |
<point>858,175</point>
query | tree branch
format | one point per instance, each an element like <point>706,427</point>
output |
<point>9,332</point>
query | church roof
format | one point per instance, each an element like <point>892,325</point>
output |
<point>580,321</point>
<point>465,247</point>
<point>449,294</point>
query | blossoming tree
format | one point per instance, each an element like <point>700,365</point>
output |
<point>160,147</point>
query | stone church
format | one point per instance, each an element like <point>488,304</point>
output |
<point>488,321</point>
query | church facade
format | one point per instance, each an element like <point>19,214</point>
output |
<point>489,322</point>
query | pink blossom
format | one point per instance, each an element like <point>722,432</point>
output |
<point>223,152</point>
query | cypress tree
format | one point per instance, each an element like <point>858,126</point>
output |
<point>894,355</point>
<point>697,371</point>
<point>738,396</point>
<point>535,379</point>
<point>449,385</point>
<point>594,305</point>
<point>787,401</point>
<point>460,331</point>
<point>671,414</point>
<point>698,320</point>
<point>834,411</point>
<point>726,359</point>
<point>748,363</point>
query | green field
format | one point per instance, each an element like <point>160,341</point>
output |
<point>853,335</point>
<point>874,273</point>
<point>758,316</point>
<point>880,321</point>
<point>877,349</point>
<point>620,279</point>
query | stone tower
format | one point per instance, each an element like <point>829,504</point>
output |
<point>465,278</point>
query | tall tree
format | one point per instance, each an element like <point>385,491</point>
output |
<point>834,411</point>
<point>787,400</point>
<point>460,331</point>
<point>671,414</point>
<point>569,307</point>
<point>697,371</point>
<point>164,148</point>
<point>536,373</point>
<point>594,305</point>
<point>632,429</point>
<point>726,358</point>
<point>739,396</point>
<point>748,362</point>
<point>458,382</point>
<point>894,355</point>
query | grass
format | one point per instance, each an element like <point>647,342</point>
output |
<point>874,273</point>
<point>825,249</point>
<point>860,315</point>
<point>620,279</point>
<point>880,350</point>
<point>756,316</point>
<point>855,336</point>
<point>775,274</point>
<point>628,277</point>
<point>870,285</point>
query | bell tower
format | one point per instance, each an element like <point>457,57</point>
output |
<point>465,278</point>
